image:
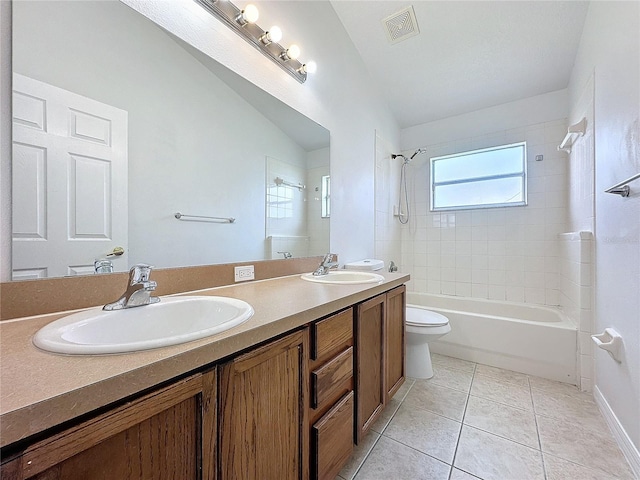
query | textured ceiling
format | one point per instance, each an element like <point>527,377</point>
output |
<point>469,54</point>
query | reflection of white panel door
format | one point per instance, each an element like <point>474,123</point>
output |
<point>69,181</point>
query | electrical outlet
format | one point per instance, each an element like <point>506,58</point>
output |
<point>244,273</point>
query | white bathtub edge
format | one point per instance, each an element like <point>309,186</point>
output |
<point>550,371</point>
<point>506,335</point>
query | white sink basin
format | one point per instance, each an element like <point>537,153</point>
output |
<point>344,277</point>
<point>172,321</point>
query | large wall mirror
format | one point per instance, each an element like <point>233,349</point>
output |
<point>118,126</point>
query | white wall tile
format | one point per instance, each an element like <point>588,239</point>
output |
<point>479,290</point>
<point>448,288</point>
<point>463,289</point>
<point>503,253</point>
<point>514,294</point>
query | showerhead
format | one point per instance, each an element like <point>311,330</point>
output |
<point>417,152</point>
<point>405,159</point>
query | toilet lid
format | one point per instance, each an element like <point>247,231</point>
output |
<point>418,316</point>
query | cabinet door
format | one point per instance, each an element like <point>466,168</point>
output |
<point>167,434</point>
<point>332,439</point>
<point>263,398</point>
<point>370,392</point>
<point>394,358</point>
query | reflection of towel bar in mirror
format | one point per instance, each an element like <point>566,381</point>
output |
<point>578,128</point>
<point>202,218</point>
<point>279,181</point>
<point>622,188</point>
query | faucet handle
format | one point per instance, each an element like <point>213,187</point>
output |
<point>328,258</point>
<point>139,273</point>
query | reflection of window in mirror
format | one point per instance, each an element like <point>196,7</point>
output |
<point>326,196</point>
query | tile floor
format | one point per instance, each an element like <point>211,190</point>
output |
<point>473,421</point>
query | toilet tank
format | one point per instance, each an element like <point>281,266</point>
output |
<point>368,264</point>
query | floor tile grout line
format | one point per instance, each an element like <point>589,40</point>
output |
<point>502,380</point>
<point>448,388</point>
<point>464,413</point>
<point>564,458</point>
<point>364,459</point>
<point>533,393</point>
<point>451,388</point>
<point>502,437</point>
<point>452,367</point>
<point>535,419</point>
<point>573,462</point>
<point>420,451</point>
<point>501,403</point>
<point>380,434</point>
<point>416,450</point>
<point>386,425</point>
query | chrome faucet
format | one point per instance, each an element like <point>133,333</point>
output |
<point>286,255</point>
<point>327,263</point>
<point>138,291</point>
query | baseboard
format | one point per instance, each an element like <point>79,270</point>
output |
<point>624,442</point>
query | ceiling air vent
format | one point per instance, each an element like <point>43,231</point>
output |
<point>401,25</point>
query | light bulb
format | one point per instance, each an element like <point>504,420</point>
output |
<point>250,14</point>
<point>273,35</point>
<point>293,52</point>
<point>309,67</point>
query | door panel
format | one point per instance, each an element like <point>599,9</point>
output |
<point>69,181</point>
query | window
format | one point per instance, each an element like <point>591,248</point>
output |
<point>491,177</point>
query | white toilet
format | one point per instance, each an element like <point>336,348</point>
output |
<point>422,326</point>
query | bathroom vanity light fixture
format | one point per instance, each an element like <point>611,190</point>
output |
<point>242,21</point>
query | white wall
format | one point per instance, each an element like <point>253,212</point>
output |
<point>610,48</point>
<point>5,141</point>
<point>528,111</point>
<point>500,253</point>
<point>387,178</point>
<point>188,131</point>
<point>340,96</point>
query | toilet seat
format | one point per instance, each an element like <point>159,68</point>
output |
<point>418,316</point>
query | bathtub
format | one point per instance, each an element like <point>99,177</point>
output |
<point>531,339</point>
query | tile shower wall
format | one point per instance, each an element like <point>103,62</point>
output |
<point>500,253</point>
<point>576,296</point>
<point>286,214</point>
<point>577,249</point>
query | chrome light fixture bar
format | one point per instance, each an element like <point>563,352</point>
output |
<point>242,22</point>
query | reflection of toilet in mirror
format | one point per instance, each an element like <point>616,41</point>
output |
<point>422,327</point>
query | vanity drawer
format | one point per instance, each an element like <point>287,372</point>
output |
<point>332,439</point>
<point>331,333</point>
<point>330,376</point>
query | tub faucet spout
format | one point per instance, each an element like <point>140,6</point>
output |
<point>138,291</point>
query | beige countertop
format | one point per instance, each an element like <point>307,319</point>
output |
<point>39,390</point>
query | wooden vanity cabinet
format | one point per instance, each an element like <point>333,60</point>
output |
<point>331,409</point>
<point>380,370</point>
<point>289,409</point>
<point>262,412</point>
<point>394,341</point>
<point>167,434</point>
